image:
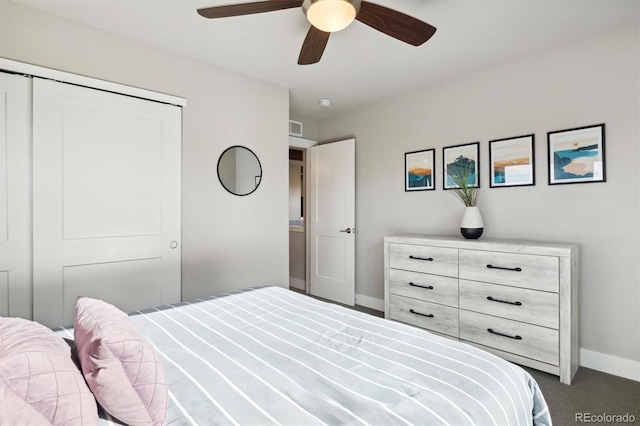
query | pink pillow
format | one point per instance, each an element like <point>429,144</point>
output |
<point>119,364</point>
<point>39,382</point>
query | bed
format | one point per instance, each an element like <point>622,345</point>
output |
<point>272,356</point>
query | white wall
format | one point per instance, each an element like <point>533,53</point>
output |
<point>309,126</point>
<point>221,233</point>
<point>591,82</point>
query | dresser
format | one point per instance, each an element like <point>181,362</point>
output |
<point>516,299</point>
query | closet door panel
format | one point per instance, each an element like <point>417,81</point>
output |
<point>112,187</point>
<point>137,279</point>
<point>15,195</point>
<point>106,200</point>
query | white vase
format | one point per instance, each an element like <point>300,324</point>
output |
<point>471,225</point>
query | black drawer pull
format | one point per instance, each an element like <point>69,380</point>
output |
<point>504,269</point>
<point>490,330</point>
<point>418,313</point>
<point>428,259</point>
<point>504,301</point>
<point>428,287</point>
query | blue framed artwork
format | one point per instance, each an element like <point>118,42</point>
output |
<point>419,170</point>
<point>461,160</point>
<point>577,155</point>
<point>512,162</point>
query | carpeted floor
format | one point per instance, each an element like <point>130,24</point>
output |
<point>591,393</point>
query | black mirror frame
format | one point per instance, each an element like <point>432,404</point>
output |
<point>259,165</point>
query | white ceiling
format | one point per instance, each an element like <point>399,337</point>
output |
<point>360,65</point>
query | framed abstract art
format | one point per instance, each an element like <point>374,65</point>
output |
<point>577,155</point>
<point>511,162</point>
<point>461,160</point>
<point>419,170</point>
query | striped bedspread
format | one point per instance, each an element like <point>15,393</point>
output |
<point>271,356</point>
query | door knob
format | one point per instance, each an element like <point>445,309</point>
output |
<point>348,230</point>
<point>173,244</point>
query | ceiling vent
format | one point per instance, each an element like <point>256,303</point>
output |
<point>295,128</point>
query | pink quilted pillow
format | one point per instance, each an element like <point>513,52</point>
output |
<point>119,364</point>
<point>39,382</point>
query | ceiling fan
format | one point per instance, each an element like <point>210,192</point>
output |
<point>327,16</point>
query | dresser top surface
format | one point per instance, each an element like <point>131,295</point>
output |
<point>514,246</point>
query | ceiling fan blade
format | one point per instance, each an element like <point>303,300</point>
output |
<point>313,46</point>
<point>395,24</point>
<point>248,8</point>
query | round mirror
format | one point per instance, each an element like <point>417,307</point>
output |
<point>239,170</point>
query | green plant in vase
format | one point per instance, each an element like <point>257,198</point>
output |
<point>466,190</point>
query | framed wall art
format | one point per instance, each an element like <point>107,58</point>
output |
<point>461,161</point>
<point>511,162</point>
<point>577,155</point>
<point>419,170</point>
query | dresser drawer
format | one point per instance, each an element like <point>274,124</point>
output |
<point>519,270</point>
<point>535,342</point>
<point>532,306</point>
<point>431,260</point>
<point>439,318</point>
<point>431,288</point>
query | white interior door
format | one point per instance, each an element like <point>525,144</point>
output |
<point>15,196</point>
<point>332,221</point>
<point>106,200</point>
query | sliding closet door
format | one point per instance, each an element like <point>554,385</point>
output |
<point>15,196</point>
<point>106,200</point>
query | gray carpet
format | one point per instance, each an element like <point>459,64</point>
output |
<point>591,393</point>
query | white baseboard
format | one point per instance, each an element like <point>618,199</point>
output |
<point>297,283</point>
<point>610,364</point>
<point>370,302</point>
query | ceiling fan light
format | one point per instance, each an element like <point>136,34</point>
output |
<point>331,15</point>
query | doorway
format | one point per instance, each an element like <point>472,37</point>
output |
<point>297,239</point>
<point>323,234</point>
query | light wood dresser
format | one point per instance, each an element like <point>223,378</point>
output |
<point>516,299</point>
